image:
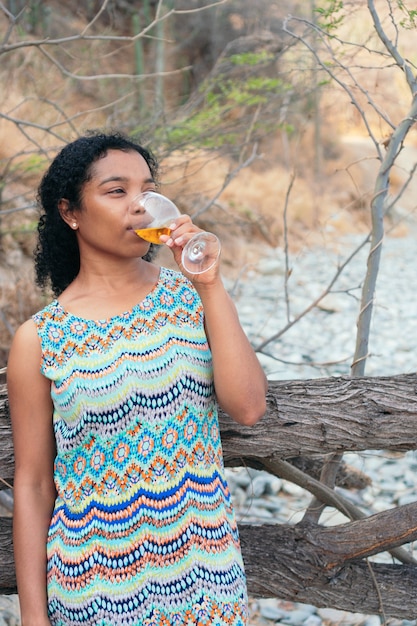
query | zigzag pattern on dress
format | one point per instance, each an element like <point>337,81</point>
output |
<point>143,531</point>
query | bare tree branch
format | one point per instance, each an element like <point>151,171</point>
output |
<point>260,347</point>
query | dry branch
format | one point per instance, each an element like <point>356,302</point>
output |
<point>287,562</point>
<point>316,417</point>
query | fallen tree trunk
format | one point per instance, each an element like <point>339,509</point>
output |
<point>327,415</point>
<point>7,573</point>
<point>307,562</point>
<point>289,562</point>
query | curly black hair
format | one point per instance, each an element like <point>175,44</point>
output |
<point>57,258</point>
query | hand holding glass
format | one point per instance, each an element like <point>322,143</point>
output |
<point>152,214</point>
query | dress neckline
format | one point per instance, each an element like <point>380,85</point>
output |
<point>107,320</point>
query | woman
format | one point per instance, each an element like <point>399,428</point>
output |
<point>122,512</point>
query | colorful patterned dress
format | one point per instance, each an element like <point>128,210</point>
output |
<point>143,531</point>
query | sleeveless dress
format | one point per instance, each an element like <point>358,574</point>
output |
<point>142,531</point>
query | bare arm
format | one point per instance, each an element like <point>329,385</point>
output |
<point>34,491</point>
<point>239,380</point>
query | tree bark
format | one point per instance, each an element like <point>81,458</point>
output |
<point>289,562</point>
<point>7,571</point>
<point>320,416</point>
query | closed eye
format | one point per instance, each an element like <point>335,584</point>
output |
<point>117,191</point>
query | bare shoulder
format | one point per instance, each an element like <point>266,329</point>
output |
<point>25,352</point>
<point>28,389</point>
<point>27,332</point>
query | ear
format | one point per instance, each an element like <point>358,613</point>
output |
<point>67,213</point>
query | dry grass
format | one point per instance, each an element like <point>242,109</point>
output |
<point>249,213</point>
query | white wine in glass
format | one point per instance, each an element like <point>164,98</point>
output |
<point>152,234</point>
<point>153,213</point>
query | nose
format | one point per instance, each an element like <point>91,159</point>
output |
<point>136,206</point>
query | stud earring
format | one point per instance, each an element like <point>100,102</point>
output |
<point>74,224</point>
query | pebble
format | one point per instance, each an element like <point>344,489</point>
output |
<point>321,344</point>
<point>9,611</point>
<point>313,620</point>
<point>270,610</point>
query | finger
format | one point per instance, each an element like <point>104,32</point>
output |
<point>180,235</point>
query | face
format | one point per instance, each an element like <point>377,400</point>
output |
<point>103,222</point>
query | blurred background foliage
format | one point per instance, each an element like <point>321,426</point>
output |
<point>238,111</point>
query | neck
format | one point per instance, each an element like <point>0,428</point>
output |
<point>99,295</point>
<point>112,277</point>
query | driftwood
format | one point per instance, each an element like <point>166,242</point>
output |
<point>308,562</point>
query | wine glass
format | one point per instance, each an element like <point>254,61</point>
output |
<point>152,215</point>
